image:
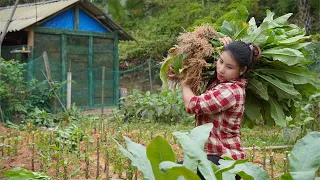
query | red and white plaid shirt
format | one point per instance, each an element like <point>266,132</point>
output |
<point>223,105</point>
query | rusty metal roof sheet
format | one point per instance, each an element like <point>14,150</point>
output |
<point>30,14</point>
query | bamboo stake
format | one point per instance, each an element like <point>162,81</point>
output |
<point>288,161</point>
<point>87,160</point>
<point>54,91</point>
<point>16,146</point>
<point>32,157</point>
<point>65,170</point>
<point>2,149</point>
<point>9,147</point>
<point>253,152</point>
<point>264,155</point>
<point>106,165</point>
<point>271,164</point>
<point>58,162</point>
<point>98,158</point>
<point>285,165</point>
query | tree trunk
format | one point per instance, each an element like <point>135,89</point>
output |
<point>5,28</point>
<point>305,18</point>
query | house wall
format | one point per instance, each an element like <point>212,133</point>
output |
<point>84,56</point>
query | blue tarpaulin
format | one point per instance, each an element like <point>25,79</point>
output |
<point>87,23</point>
<point>64,20</point>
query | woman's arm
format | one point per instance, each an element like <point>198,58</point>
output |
<point>187,95</point>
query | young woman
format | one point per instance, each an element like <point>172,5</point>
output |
<point>223,102</point>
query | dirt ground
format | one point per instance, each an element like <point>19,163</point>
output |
<point>24,154</point>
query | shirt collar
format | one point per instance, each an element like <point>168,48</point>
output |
<point>242,81</point>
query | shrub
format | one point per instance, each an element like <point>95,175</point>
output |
<point>166,107</point>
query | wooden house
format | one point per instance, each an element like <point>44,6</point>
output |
<point>77,36</point>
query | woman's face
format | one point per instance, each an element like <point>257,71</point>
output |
<point>228,68</point>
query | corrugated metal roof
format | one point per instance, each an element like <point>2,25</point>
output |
<point>29,14</point>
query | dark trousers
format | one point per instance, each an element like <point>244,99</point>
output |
<point>215,159</point>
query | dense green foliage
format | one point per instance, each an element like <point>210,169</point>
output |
<point>25,101</point>
<point>157,160</point>
<point>155,24</point>
<point>165,107</point>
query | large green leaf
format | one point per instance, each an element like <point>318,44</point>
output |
<point>303,175</point>
<point>293,74</point>
<point>266,114</point>
<point>277,112</point>
<point>306,89</point>
<point>250,171</point>
<point>280,21</point>
<point>158,151</point>
<point>305,155</point>
<point>196,154</point>
<point>227,29</point>
<point>258,88</point>
<point>298,46</point>
<point>138,156</point>
<point>177,62</point>
<point>252,25</point>
<point>293,40</point>
<point>199,135</point>
<point>252,106</point>
<point>226,165</point>
<point>163,72</point>
<point>242,13</point>
<point>259,36</point>
<point>283,90</point>
<point>286,176</point>
<point>22,174</point>
<point>177,170</point>
<point>285,55</point>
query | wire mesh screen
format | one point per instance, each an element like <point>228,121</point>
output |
<point>144,77</point>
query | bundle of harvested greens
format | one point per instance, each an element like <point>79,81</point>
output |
<point>277,82</point>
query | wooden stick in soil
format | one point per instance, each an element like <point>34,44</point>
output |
<point>253,152</point>
<point>86,159</point>
<point>264,155</point>
<point>32,151</point>
<point>65,170</point>
<point>2,149</point>
<point>16,140</point>
<point>285,165</point>
<point>288,161</point>
<point>98,158</point>
<point>271,165</point>
<point>58,163</point>
<point>9,147</point>
<point>106,164</point>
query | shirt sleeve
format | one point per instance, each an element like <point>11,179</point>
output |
<point>212,101</point>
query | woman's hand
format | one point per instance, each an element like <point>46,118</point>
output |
<point>172,75</point>
<point>225,40</point>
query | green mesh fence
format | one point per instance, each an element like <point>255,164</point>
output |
<point>87,83</point>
